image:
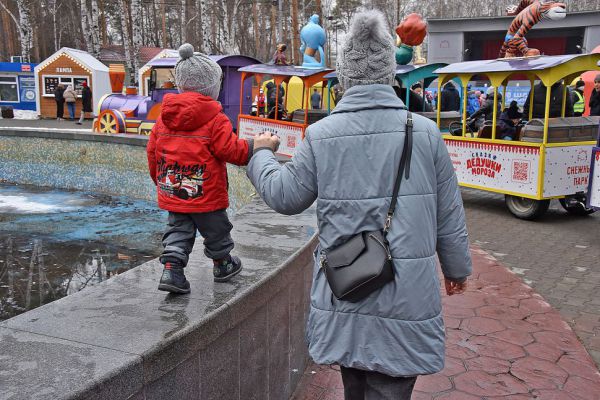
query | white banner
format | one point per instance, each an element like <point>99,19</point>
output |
<point>499,167</point>
<point>567,170</point>
<point>290,135</point>
<point>594,194</point>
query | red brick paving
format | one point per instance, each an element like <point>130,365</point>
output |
<point>503,341</point>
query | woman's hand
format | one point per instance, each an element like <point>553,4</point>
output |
<point>454,287</point>
<point>266,140</point>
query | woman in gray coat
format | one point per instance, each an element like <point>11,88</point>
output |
<point>347,163</point>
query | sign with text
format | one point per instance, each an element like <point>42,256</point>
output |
<point>567,170</point>
<point>499,167</point>
<point>290,135</point>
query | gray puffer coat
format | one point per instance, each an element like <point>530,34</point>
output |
<point>347,163</point>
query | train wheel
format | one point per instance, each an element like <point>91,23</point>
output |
<point>111,121</point>
<point>524,208</point>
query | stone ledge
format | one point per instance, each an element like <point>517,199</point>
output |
<point>124,338</point>
<point>75,134</point>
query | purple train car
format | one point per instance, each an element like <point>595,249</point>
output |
<point>137,114</point>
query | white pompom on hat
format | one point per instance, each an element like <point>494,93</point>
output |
<point>196,72</point>
<point>368,53</point>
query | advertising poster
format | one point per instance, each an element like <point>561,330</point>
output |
<point>567,170</point>
<point>594,188</point>
<point>289,135</point>
<point>501,167</point>
<point>27,88</point>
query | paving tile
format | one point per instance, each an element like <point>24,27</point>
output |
<point>582,388</point>
<point>560,340</point>
<point>539,374</point>
<point>488,346</point>
<point>544,352</point>
<point>480,383</point>
<point>519,338</point>
<point>433,383</point>
<point>453,366</point>
<point>481,325</point>
<point>575,366</point>
<point>490,365</point>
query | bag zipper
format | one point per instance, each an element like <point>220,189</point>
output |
<point>387,251</point>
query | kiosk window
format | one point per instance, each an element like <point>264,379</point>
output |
<point>9,90</point>
<point>51,82</point>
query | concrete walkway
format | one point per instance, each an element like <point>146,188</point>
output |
<point>504,341</point>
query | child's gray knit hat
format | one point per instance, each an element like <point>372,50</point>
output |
<point>368,53</point>
<point>196,72</point>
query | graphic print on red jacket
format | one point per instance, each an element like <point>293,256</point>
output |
<point>188,149</point>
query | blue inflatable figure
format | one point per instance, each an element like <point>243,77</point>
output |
<point>313,39</point>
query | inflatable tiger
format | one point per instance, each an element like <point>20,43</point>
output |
<point>528,13</point>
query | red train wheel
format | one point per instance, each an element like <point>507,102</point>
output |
<point>111,121</point>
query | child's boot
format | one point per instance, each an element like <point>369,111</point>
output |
<point>173,280</point>
<point>226,268</point>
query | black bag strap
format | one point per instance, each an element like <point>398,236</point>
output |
<point>404,164</point>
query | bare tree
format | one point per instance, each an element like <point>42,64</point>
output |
<point>95,28</point>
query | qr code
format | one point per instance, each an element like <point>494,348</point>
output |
<point>520,171</point>
<point>291,141</point>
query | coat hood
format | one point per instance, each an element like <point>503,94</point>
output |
<point>188,111</point>
<point>366,97</point>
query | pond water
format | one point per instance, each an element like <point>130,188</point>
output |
<point>56,242</point>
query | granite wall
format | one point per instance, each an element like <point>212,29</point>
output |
<point>124,339</point>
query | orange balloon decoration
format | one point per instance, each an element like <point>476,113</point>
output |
<point>412,30</point>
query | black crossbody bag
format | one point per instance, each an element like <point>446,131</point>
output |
<point>364,263</point>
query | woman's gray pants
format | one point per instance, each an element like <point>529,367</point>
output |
<point>369,385</point>
<point>180,236</point>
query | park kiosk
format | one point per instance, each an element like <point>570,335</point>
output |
<point>144,73</point>
<point>69,67</point>
<point>17,86</point>
<point>550,158</point>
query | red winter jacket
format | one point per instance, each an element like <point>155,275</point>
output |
<point>189,146</point>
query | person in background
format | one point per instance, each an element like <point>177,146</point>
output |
<point>70,98</point>
<point>480,98</point>
<point>539,102</point>
<point>279,57</point>
<point>508,122</point>
<point>315,100</point>
<point>487,111</point>
<point>595,98</point>
<point>578,99</point>
<point>348,162</point>
<point>60,101</point>
<point>86,102</point>
<point>472,103</point>
<point>260,101</point>
<point>450,98</point>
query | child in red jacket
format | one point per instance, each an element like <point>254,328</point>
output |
<point>189,147</point>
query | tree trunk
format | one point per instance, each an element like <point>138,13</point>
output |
<point>295,34</point>
<point>136,25</point>
<point>95,28</point>
<point>183,33</point>
<point>25,29</point>
<point>255,26</point>
<point>88,36</point>
<point>125,37</point>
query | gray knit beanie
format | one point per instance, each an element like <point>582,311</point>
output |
<point>368,54</point>
<point>196,72</point>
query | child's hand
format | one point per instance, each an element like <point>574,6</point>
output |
<point>266,140</point>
